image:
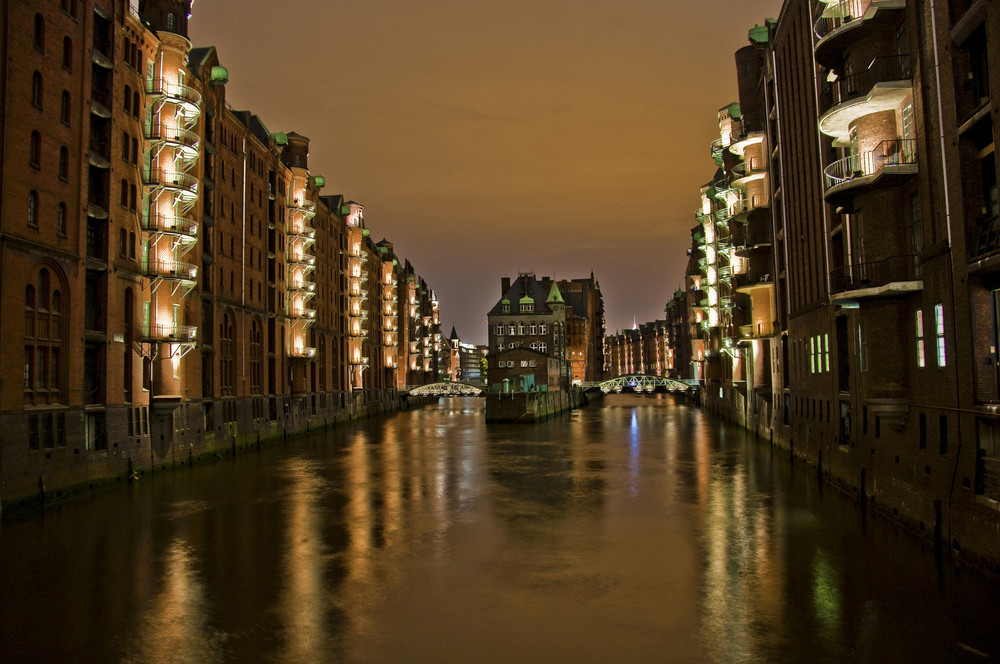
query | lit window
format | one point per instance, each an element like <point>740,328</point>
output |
<point>826,352</point>
<point>939,331</point>
<point>812,354</point>
<point>512,329</point>
<point>171,22</point>
<point>542,347</point>
<point>921,354</point>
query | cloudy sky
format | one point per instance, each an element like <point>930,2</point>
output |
<point>489,137</point>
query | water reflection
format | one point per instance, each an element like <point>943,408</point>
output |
<point>634,531</point>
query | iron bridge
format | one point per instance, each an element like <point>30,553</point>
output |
<point>445,389</point>
<point>643,383</point>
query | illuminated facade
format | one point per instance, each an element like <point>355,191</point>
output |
<point>186,287</point>
<point>861,241</point>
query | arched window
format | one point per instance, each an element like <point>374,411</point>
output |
<point>520,329</point>
<point>512,345</point>
<point>227,353</point>
<point>534,345</point>
<point>36,89</point>
<point>512,329</point>
<point>500,329</point>
<point>124,193</point>
<point>43,341</point>
<point>68,53</point>
<point>35,150</point>
<point>39,32</point>
<point>542,347</point>
<point>64,163</point>
<point>127,99</point>
<point>61,219</point>
<point>33,208</point>
<point>64,108</point>
<point>256,357</point>
<point>171,22</point>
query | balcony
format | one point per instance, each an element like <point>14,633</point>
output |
<point>169,269</point>
<point>184,228</point>
<point>186,186</point>
<point>302,232</point>
<point>187,99</point>
<point>889,277</point>
<point>888,165</point>
<point>844,22</point>
<point>168,333</point>
<point>302,353</point>
<point>304,261</point>
<point>881,87</point>
<point>304,287</point>
<point>185,141</point>
<point>747,171</point>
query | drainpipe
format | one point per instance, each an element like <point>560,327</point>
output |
<point>951,255</point>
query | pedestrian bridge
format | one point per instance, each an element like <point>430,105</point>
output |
<point>444,389</point>
<point>640,383</point>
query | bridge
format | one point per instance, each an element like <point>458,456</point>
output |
<point>641,383</point>
<point>444,389</point>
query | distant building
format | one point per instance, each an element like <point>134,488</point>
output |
<point>527,337</point>
<point>585,327</point>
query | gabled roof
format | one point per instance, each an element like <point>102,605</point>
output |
<point>524,286</point>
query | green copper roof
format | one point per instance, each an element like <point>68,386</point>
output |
<point>280,137</point>
<point>366,232</point>
<point>220,75</point>
<point>554,295</point>
<point>318,181</point>
<point>758,34</point>
<point>527,299</point>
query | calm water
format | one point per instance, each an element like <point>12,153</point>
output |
<point>635,531</point>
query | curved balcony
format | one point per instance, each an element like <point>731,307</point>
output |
<point>169,269</point>
<point>889,277</point>
<point>302,312</point>
<point>747,171</point>
<point>186,186</point>
<point>303,288</point>
<point>168,333</point>
<point>302,353</point>
<point>888,165</point>
<point>881,87</point>
<point>184,228</point>
<point>306,208</point>
<point>187,99</point>
<point>183,140</point>
<point>304,261</point>
<point>844,22</point>
<point>302,232</point>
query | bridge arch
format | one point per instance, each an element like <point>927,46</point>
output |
<point>643,383</point>
<point>446,389</point>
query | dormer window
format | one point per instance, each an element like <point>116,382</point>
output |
<point>527,306</point>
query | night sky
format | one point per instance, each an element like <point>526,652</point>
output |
<point>487,137</point>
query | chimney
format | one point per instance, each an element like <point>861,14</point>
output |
<point>504,286</point>
<point>547,284</point>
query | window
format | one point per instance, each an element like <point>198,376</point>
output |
<point>534,345</point>
<point>35,150</point>
<point>942,360</point>
<point>527,306</point>
<point>61,219</point>
<point>135,151</point>
<point>862,348</point>
<point>171,22</point>
<point>135,104</point>
<point>36,89</point>
<point>512,345</point>
<point>512,329</point>
<point>131,245</point>
<point>534,328</point>
<point>132,197</point>
<point>921,352</point>
<point>506,307</point>
<point>812,354</point>
<point>33,209</point>
<point>826,352</point>
<point>67,53</point>
<point>542,347</point>
<point>541,328</point>
<point>227,337</point>
<point>64,163</point>
<point>39,32</point>
<point>43,356</point>
<point>124,193</point>
<point>122,243</point>
<point>500,345</point>
<point>127,99</point>
<point>520,329</point>
<point>64,108</point>
<point>125,145</point>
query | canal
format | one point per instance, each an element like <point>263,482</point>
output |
<point>637,530</point>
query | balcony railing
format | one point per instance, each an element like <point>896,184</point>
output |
<point>875,274</point>
<point>894,152</point>
<point>168,333</point>
<point>839,14</point>
<point>175,181</point>
<point>174,92</point>
<point>882,69</point>
<point>169,269</point>
<point>304,352</point>
<point>171,224</point>
<point>177,137</point>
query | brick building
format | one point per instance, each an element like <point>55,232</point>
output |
<point>843,275</point>
<point>185,284</point>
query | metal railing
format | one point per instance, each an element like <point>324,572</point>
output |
<point>168,332</point>
<point>173,91</point>
<point>169,269</point>
<point>155,222</point>
<point>882,69</point>
<point>839,14</point>
<point>892,152</point>
<point>874,274</point>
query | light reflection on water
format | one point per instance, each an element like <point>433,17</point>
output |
<point>634,531</point>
